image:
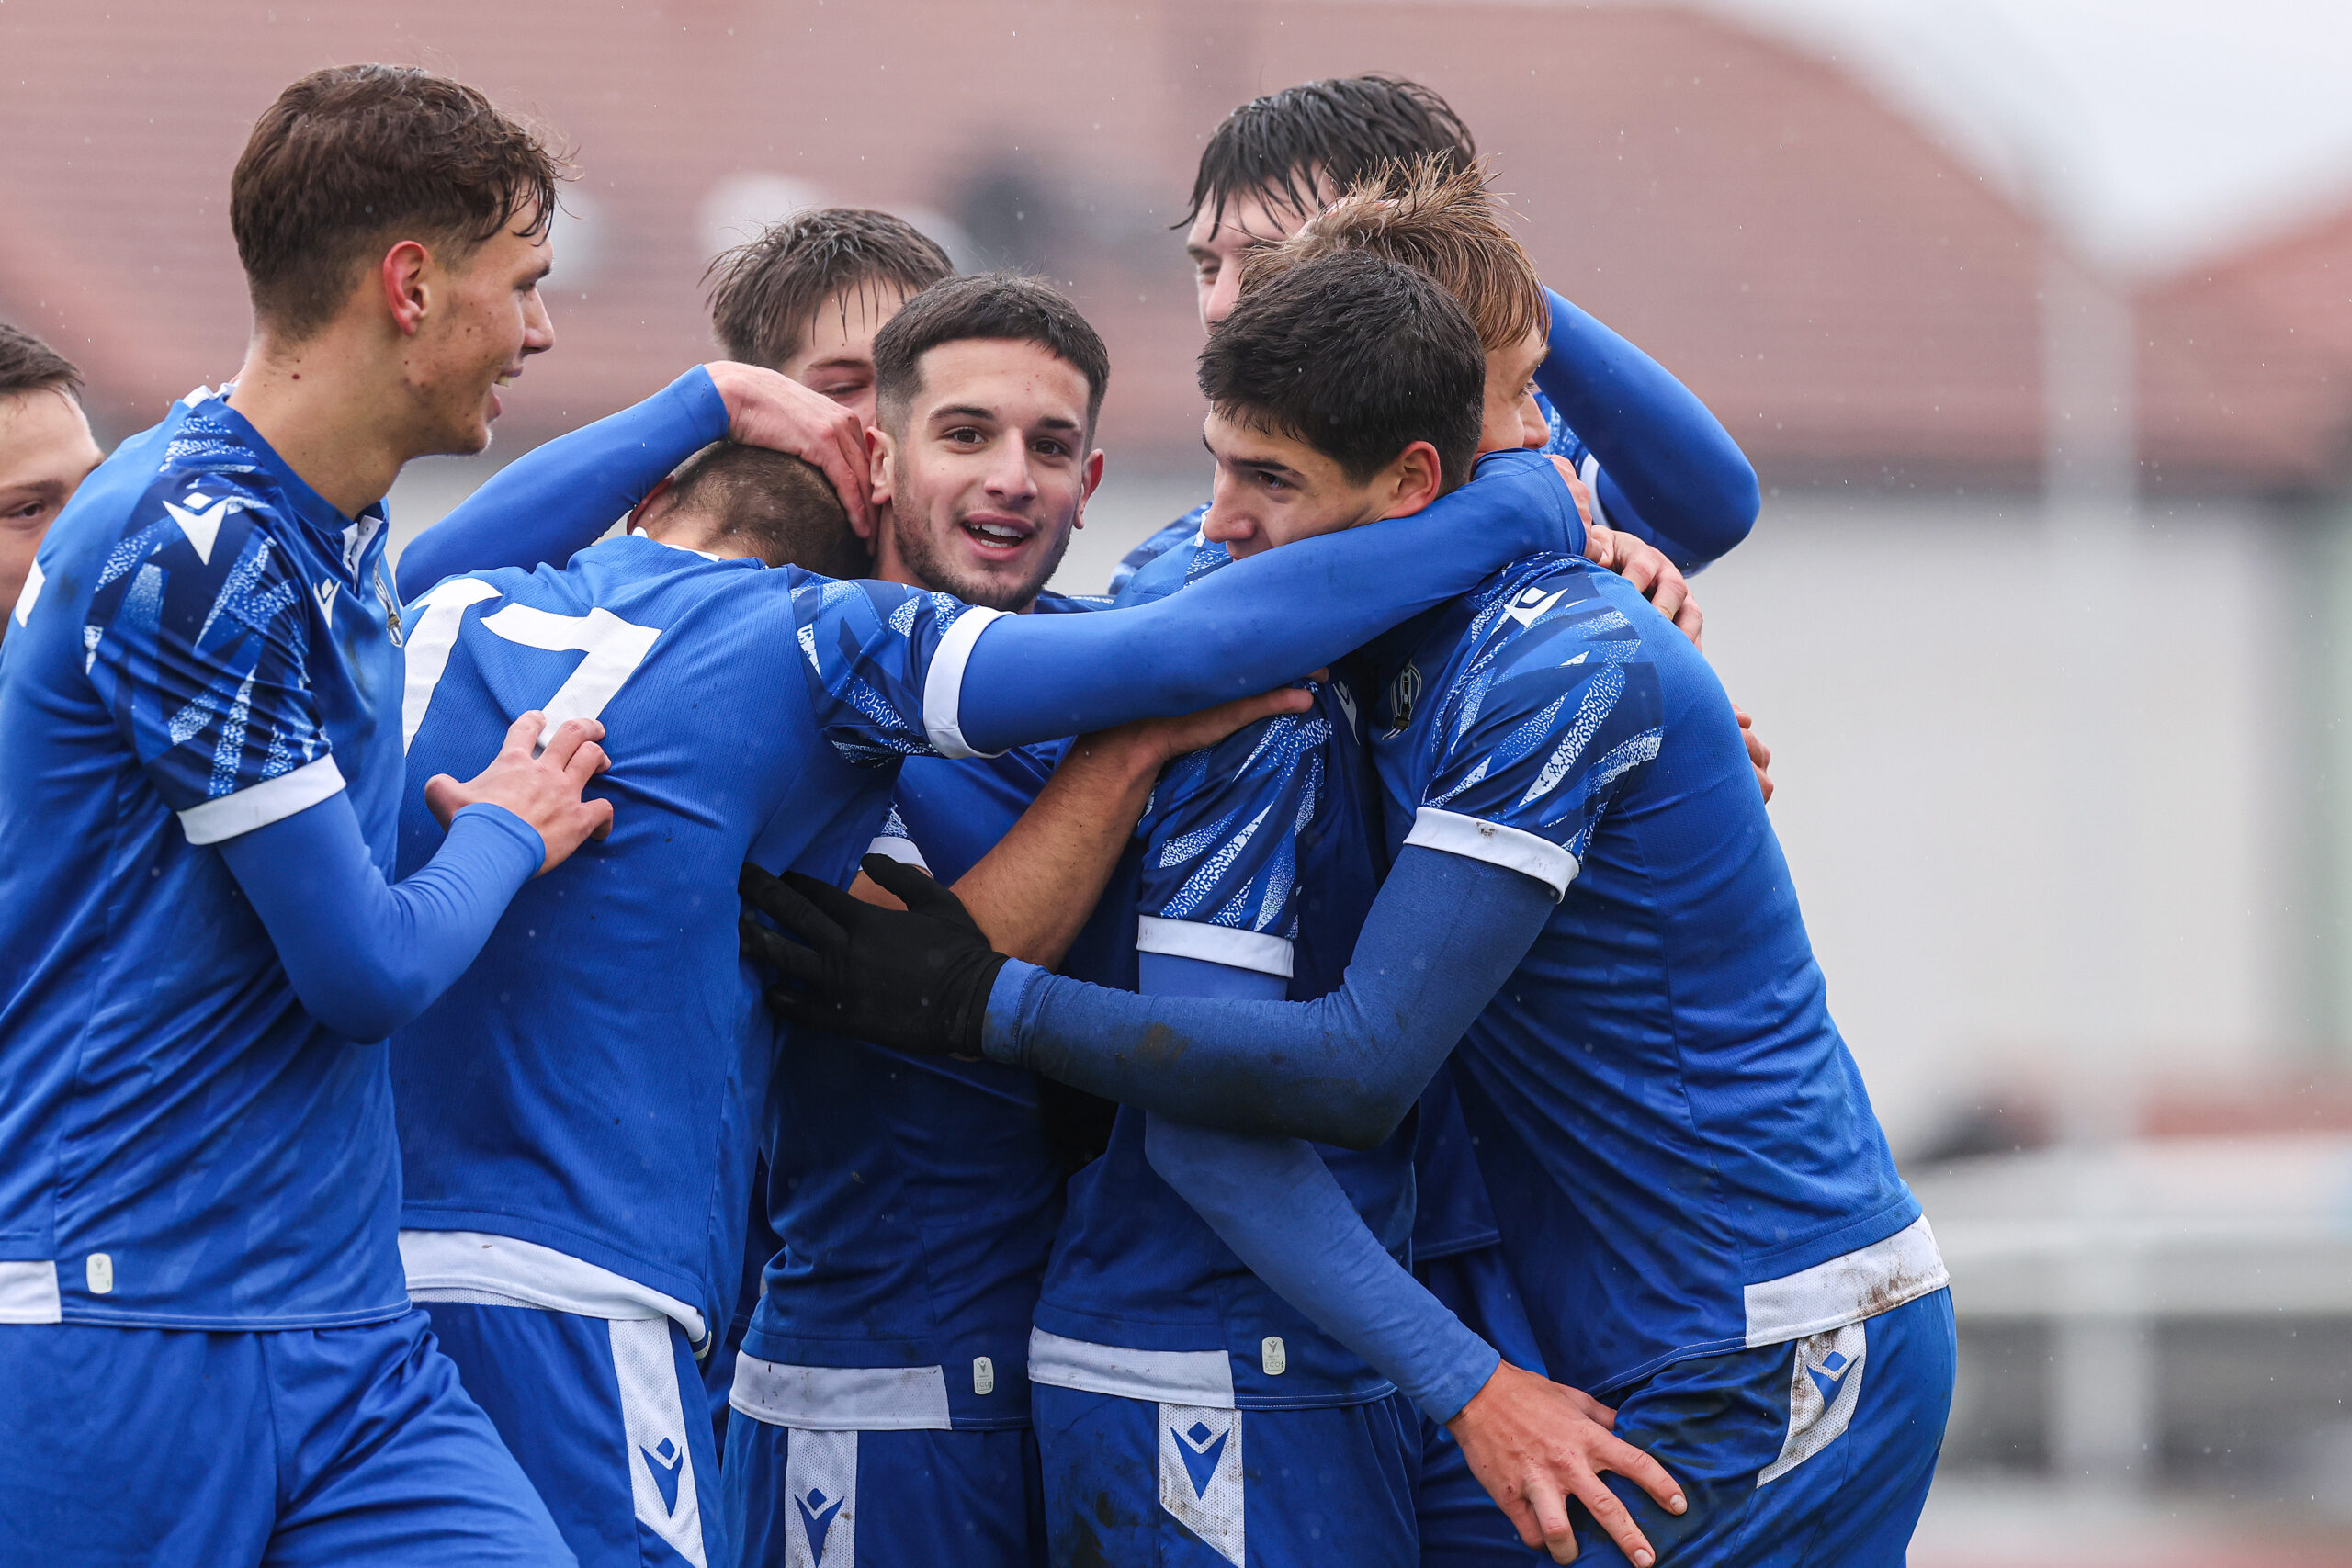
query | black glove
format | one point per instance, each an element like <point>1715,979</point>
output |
<point>916,979</point>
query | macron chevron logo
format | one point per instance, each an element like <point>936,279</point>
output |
<point>325,592</point>
<point>1531,605</point>
<point>817,1516</point>
<point>200,516</point>
<point>1200,1453</point>
<point>1825,1376</point>
<point>664,1462</point>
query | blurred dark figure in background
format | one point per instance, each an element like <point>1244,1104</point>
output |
<point>46,450</point>
<point>807,297</point>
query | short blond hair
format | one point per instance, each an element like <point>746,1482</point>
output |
<point>1436,218</point>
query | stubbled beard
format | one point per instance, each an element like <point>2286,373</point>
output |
<point>926,561</point>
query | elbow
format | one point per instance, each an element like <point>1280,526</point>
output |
<point>362,1008</point>
<point>1357,1116</point>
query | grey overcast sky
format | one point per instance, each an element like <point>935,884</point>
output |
<point>2159,132</point>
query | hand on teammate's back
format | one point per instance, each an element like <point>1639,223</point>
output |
<point>1760,756</point>
<point>1159,741</point>
<point>914,980</point>
<point>542,789</point>
<point>1645,567</point>
<point>1533,1443</point>
<point>766,409</point>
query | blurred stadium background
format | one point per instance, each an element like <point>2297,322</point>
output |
<point>2048,618</point>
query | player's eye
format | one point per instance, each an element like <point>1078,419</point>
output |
<point>1049,448</point>
<point>27,513</point>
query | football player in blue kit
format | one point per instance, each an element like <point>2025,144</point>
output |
<point>1264,172</point>
<point>1706,1225</point>
<point>773,709</point>
<point>881,1401</point>
<point>206,1341</point>
<point>1214,1418</point>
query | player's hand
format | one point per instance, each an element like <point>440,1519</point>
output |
<point>1646,568</point>
<point>914,980</point>
<point>764,409</point>
<point>1760,756</point>
<point>541,786</point>
<point>1579,490</point>
<point>1154,742</point>
<point>1533,1443</point>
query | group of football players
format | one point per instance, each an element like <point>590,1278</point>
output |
<point>766,1036</point>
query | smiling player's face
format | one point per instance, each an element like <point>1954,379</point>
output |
<point>487,320</point>
<point>45,452</point>
<point>989,474</point>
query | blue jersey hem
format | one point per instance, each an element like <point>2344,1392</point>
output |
<point>197,1324</point>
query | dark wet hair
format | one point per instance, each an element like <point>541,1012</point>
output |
<point>984,305</point>
<point>1356,355</point>
<point>1333,132</point>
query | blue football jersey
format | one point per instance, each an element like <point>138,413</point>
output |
<point>915,1197</point>
<point>1260,853</point>
<point>206,647</point>
<point>1164,539</point>
<point>592,1086</point>
<point>1682,1155</point>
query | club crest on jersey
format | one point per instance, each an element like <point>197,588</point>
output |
<point>392,609</point>
<point>1403,692</point>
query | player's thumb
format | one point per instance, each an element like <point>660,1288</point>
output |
<point>443,796</point>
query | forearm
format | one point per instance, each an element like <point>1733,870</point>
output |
<point>1276,1203</point>
<point>1670,473</point>
<point>1034,890</point>
<point>1443,936</point>
<point>1259,622</point>
<point>560,497</point>
<point>367,958</point>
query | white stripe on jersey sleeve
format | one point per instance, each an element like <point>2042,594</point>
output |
<point>1511,848</point>
<point>1216,944</point>
<point>942,686</point>
<point>258,805</point>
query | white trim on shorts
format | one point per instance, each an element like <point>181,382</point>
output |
<point>484,1270</point>
<point>1200,1378</point>
<point>842,1399</point>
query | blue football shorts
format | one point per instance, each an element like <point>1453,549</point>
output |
<point>806,1499</point>
<point>1460,1525</point>
<point>1128,1481</point>
<point>1818,1453</point>
<point>290,1447</point>
<point>607,1418</point>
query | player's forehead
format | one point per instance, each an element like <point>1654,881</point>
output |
<point>1007,378</point>
<point>1235,440</point>
<point>39,430</point>
<point>843,323</point>
<point>1257,217</point>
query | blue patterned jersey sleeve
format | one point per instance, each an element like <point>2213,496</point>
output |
<point>198,642</point>
<point>884,665</point>
<point>1220,861</point>
<point>1555,716</point>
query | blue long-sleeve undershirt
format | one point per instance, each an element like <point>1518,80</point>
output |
<point>1277,1205</point>
<point>367,957</point>
<point>558,498</point>
<point>1670,473</point>
<point>1443,935</point>
<point>1260,622</point>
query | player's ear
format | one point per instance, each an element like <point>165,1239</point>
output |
<point>1414,479</point>
<point>404,278</point>
<point>879,452</point>
<point>646,511</point>
<point>1092,476</point>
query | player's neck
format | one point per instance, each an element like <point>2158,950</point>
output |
<point>335,410</point>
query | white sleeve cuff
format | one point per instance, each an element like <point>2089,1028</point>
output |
<point>1511,848</point>
<point>893,847</point>
<point>1590,472</point>
<point>272,800</point>
<point>1227,945</point>
<point>942,686</point>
